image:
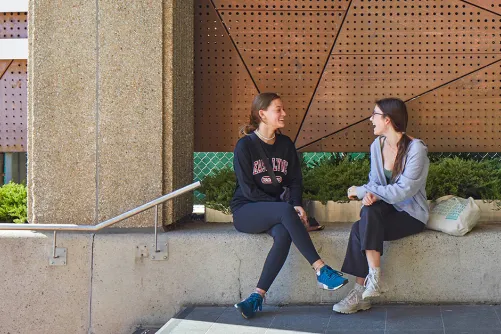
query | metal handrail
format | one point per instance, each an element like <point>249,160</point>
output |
<point>106,223</point>
<point>94,228</point>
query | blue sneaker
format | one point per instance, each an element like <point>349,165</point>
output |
<point>248,307</point>
<point>330,279</point>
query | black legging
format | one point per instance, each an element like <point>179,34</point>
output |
<point>282,222</point>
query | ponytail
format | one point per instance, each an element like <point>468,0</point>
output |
<point>260,102</point>
<point>403,145</point>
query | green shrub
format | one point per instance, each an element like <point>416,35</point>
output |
<point>330,179</point>
<point>464,178</point>
<point>13,203</point>
<point>218,189</point>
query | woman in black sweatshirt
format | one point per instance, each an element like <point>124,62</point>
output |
<point>258,206</point>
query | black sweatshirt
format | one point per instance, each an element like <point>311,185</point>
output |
<point>253,181</point>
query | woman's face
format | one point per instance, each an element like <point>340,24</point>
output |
<point>379,121</point>
<point>274,115</point>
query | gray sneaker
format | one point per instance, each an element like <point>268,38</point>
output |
<point>373,286</point>
<point>352,303</point>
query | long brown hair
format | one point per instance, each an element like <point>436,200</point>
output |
<point>260,102</point>
<point>396,111</point>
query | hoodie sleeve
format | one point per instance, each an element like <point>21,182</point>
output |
<point>409,182</point>
<point>242,164</point>
<point>296,178</point>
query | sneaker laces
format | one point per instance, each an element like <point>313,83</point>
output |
<point>372,282</point>
<point>351,297</point>
<point>256,300</point>
<point>333,273</point>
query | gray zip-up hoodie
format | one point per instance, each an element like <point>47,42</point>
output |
<point>408,192</point>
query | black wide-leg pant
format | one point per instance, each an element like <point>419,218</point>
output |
<point>378,222</point>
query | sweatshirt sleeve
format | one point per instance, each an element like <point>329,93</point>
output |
<point>296,178</point>
<point>242,165</point>
<point>409,182</point>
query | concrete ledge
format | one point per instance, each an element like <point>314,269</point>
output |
<point>106,287</point>
<point>490,212</point>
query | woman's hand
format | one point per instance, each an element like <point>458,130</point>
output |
<point>302,215</point>
<point>352,192</point>
<point>369,199</point>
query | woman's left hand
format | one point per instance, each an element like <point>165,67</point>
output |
<point>302,215</point>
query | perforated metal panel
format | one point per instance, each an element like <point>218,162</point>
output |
<point>462,116</point>
<point>351,85</point>
<point>13,25</point>
<point>223,87</point>
<point>414,50</point>
<point>285,52</point>
<point>282,4</point>
<point>13,106</point>
<point>490,5</point>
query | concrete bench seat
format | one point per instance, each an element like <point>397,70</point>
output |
<point>430,267</point>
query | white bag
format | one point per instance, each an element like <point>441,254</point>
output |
<point>454,215</point>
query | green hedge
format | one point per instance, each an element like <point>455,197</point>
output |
<point>329,179</point>
<point>13,203</point>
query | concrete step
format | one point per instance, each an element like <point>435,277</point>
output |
<point>417,319</point>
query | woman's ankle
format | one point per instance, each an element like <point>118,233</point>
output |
<point>260,291</point>
<point>317,265</point>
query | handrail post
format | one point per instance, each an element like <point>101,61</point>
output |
<point>156,233</point>
<point>54,255</point>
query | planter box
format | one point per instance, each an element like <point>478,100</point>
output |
<point>215,216</point>
<point>349,212</point>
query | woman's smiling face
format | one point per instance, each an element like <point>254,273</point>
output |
<point>378,121</point>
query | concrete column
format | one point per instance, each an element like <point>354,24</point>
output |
<point>178,105</point>
<point>104,109</point>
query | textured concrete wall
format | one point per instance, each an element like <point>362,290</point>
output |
<point>110,108</point>
<point>178,104</point>
<point>108,287</point>
<point>38,298</point>
<point>62,111</point>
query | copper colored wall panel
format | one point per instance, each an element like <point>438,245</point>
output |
<point>282,4</point>
<point>285,52</point>
<point>413,27</point>
<point>356,138</point>
<point>490,5</point>
<point>13,25</point>
<point>464,116</point>
<point>223,87</point>
<point>440,56</point>
<point>13,107</point>
<point>351,84</point>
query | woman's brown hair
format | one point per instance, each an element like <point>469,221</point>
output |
<point>396,111</point>
<point>260,102</point>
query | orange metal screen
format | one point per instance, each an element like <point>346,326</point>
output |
<point>13,90</point>
<point>331,60</point>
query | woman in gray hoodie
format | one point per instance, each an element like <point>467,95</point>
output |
<point>394,201</point>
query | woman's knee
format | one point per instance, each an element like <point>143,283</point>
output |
<point>374,210</point>
<point>280,234</point>
<point>287,211</point>
<point>355,227</point>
